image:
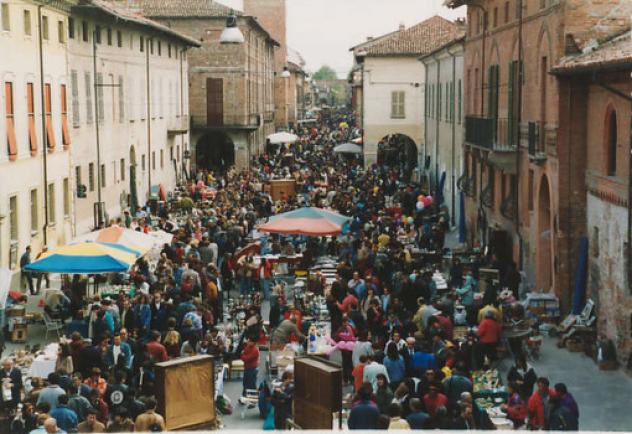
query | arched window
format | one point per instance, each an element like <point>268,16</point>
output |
<point>611,143</point>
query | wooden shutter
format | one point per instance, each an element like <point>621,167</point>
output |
<point>74,89</point>
<point>214,101</point>
<point>30,108</point>
<point>50,132</point>
<point>11,141</point>
<point>64,118</point>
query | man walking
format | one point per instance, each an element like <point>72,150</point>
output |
<point>24,261</point>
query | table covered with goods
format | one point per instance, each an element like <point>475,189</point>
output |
<point>489,395</point>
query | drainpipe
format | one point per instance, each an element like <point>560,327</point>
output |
<point>96,86</point>
<point>453,175</point>
<point>148,42</point>
<point>437,121</point>
<point>181,117</point>
<point>44,135</point>
<point>518,122</point>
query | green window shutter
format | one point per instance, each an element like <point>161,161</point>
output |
<point>510,104</point>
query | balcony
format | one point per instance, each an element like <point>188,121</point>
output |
<point>466,184</point>
<point>228,122</point>
<point>178,125</point>
<point>536,139</point>
<point>493,134</point>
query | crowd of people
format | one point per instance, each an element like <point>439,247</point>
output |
<point>403,362</point>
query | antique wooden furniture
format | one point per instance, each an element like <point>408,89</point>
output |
<point>317,392</point>
<point>185,392</point>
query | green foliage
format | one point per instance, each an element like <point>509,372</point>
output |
<point>325,73</point>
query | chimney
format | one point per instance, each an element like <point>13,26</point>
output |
<point>402,27</point>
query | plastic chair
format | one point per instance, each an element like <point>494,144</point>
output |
<point>52,325</point>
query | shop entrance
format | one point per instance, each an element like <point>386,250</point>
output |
<point>398,150</point>
<point>545,238</point>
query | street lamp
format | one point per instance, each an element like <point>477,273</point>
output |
<point>231,33</point>
<point>285,73</point>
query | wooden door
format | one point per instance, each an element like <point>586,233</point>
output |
<point>214,101</point>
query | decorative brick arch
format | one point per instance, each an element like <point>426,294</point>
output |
<point>545,236</point>
<point>610,133</point>
<point>544,46</point>
<point>494,53</point>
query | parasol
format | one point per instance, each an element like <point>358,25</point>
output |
<point>282,137</point>
<point>119,235</point>
<point>306,221</point>
<point>84,258</point>
<point>348,148</point>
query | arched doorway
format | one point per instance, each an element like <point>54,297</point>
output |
<point>398,151</point>
<point>544,251</point>
<point>133,196</point>
<point>215,151</point>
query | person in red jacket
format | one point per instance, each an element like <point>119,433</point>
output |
<point>489,334</point>
<point>350,299</point>
<point>156,350</point>
<point>434,399</point>
<point>250,357</point>
<point>538,405</point>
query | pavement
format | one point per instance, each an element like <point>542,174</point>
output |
<point>603,396</point>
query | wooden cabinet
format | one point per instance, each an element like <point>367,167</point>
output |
<point>185,392</point>
<point>317,392</point>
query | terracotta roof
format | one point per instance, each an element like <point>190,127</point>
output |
<point>184,8</point>
<point>615,52</point>
<point>119,12</point>
<point>417,40</point>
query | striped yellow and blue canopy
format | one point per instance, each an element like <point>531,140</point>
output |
<point>86,258</point>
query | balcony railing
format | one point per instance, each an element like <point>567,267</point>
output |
<point>487,196</point>
<point>178,125</point>
<point>536,139</point>
<point>495,134</point>
<point>247,122</point>
<point>508,207</point>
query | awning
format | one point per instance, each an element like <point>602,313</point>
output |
<point>505,161</point>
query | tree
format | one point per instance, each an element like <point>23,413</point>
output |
<point>325,73</point>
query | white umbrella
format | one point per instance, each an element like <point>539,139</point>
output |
<point>282,137</point>
<point>118,235</point>
<point>161,237</point>
<point>348,148</point>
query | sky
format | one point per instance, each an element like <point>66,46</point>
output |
<point>324,30</point>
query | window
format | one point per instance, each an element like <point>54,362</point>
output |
<point>6,18</point>
<point>30,110</point>
<point>91,176</point>
<point>88,81</point>
<point>142,44</point>
<point>531,181</point>
<point>518,9</point>
<point>74,89</point>
<point>151,45</point>
<point>439,100</point>
<point>66,197</point>
<point>61,32</point>
<point>100,102</point>
<point>11,140</point>
<point>103,176</point>
<point>162,159</point>
<point>97,34</point>
<point>492,91</point>
<point>50,133</point>
<point>452,102</point>
<point>109,36</point>
<point>45,27</point>
<point>460,103</point>
<point>84,31</point>
<point>506,20</point>
<point>119,39</point>
<point>122,169</point>
<point>594,243</point>
<point>34,208</point>
<point>78,176</point>
<point>71,28</point>
<point>398,101</point>
<point>13,218</point>
<point>611,143</point>
<point>143,165</point>
<point>169,51</point>
<point>121,99</point>
<point>51,203</point>
<point>27,22</point>
<point>153,160</point>
<point>159,49</point>
<point>65,135</point>
<point>495,17</point>
<point>542,4</point>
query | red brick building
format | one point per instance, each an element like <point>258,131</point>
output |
<point>598,86</point>
<point>524,171</point>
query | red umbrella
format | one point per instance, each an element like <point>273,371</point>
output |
<point>305,221</point>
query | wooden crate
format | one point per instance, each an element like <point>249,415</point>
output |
<point>281,187</point>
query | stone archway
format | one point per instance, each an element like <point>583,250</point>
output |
<point>398,151</point>
<point>544,252</point>
<point>215,151</point>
